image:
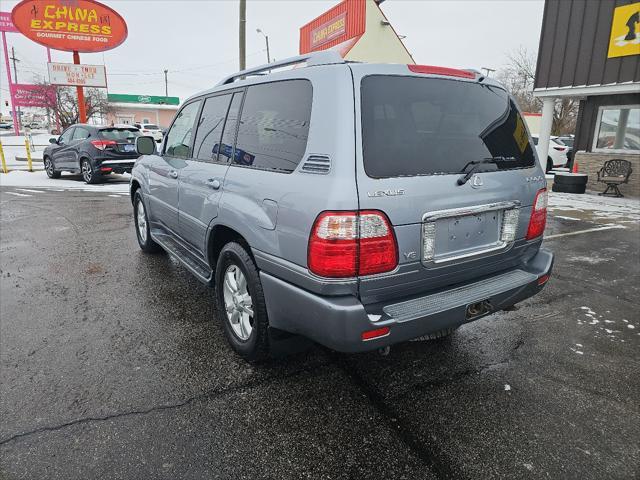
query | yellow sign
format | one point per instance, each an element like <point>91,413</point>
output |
<point>520,135</point>
<point>625,31</point>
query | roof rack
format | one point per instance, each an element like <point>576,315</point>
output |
<point>324,57</point>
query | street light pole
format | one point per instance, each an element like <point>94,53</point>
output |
<point>242,34</point>
<point>166,84</point>
<point>266,39</point>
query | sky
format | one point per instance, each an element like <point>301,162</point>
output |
<point>197,41</point>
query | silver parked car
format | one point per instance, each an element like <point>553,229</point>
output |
<point>357,205</point>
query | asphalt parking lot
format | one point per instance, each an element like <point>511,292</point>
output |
<point>113,366</point>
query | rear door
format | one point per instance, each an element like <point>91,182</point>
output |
<point>202,179</point>
<point>416,137</point>
<point>79,136</point>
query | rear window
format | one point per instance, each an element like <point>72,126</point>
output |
<point>426,126</point>
<point>150,126</point>
<point>119,133</point>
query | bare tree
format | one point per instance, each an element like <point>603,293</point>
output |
<point>519,76</point>
<point>65,103</point>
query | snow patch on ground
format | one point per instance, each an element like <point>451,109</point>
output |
<point>561,217</point>
<point>591,260</point>
<point>604,208</point>
<point>19,178</point>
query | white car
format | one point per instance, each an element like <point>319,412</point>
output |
<point>151,130</point>
<point>557,157</point>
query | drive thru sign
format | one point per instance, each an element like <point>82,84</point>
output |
<point>77,75</point>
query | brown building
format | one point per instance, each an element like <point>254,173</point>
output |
<point>590,50</point>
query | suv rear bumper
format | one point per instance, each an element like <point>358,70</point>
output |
<point>118,165</point>
<point>338,322</point>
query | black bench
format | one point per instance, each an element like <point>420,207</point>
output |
<point>614,173</point>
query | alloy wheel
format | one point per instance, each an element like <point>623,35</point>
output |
<point>48,166</point>
<point>238,302</point>
<point>141,220</point>
<point>87,173</point>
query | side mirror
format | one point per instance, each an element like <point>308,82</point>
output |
<point>53,140</point>
<point>145,145</point>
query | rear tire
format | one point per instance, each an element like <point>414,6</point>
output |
<point>572,179</point>
<point>549,165</point>
<point>49,168</point>
<point>240,305</point>
<point>563,188</point>
<point>89,174</point>
<point>141,220</point>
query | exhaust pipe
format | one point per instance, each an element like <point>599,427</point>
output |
<point>474,310</point>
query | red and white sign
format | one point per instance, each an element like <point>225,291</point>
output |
<point>70,25</point>
<point>329,30</point>
<point>77,75</point>
<point>24,95</point>
<point>6,25</point>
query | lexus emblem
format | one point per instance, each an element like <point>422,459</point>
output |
<point>476,181</point>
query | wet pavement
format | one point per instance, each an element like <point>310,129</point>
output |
<point>113,366</point>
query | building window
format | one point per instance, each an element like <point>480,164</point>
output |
<point>146,120</point>
<point>618,129</point>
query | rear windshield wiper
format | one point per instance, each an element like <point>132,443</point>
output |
<point>476,163</point>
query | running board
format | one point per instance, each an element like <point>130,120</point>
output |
<point>192,263</point>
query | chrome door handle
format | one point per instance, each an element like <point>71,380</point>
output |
<point>213,183</point>
<point>173,174</point>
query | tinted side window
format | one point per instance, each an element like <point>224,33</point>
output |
<point>274,125</point>
<point>229,134</point>
<point>81,133</point>
<point>178,142</point>
<point>66,137</point>
<point>210,127</point>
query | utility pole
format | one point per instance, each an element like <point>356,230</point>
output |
<point>266,39</point>
<point>488,71</point>
<point>15,81</point>
<point>166,84</point>
<point>242,34</point>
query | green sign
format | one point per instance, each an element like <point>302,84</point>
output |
<point>150,99</point>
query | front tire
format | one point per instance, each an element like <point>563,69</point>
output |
<point>240,304</point>
<point>89,174</point>
<point>49,168</point>
<point>141,221</point>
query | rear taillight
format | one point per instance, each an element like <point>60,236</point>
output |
<point>102,144</point>
<point>145,131</point>
<point>538,219</point>
<point>348,244</point>
<point>560,149</point>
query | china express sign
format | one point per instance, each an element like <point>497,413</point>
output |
<point>82,25</point>
<point>329,30</point>
<point>67,18</point>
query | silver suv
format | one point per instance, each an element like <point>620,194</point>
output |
<point>357,205</point>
